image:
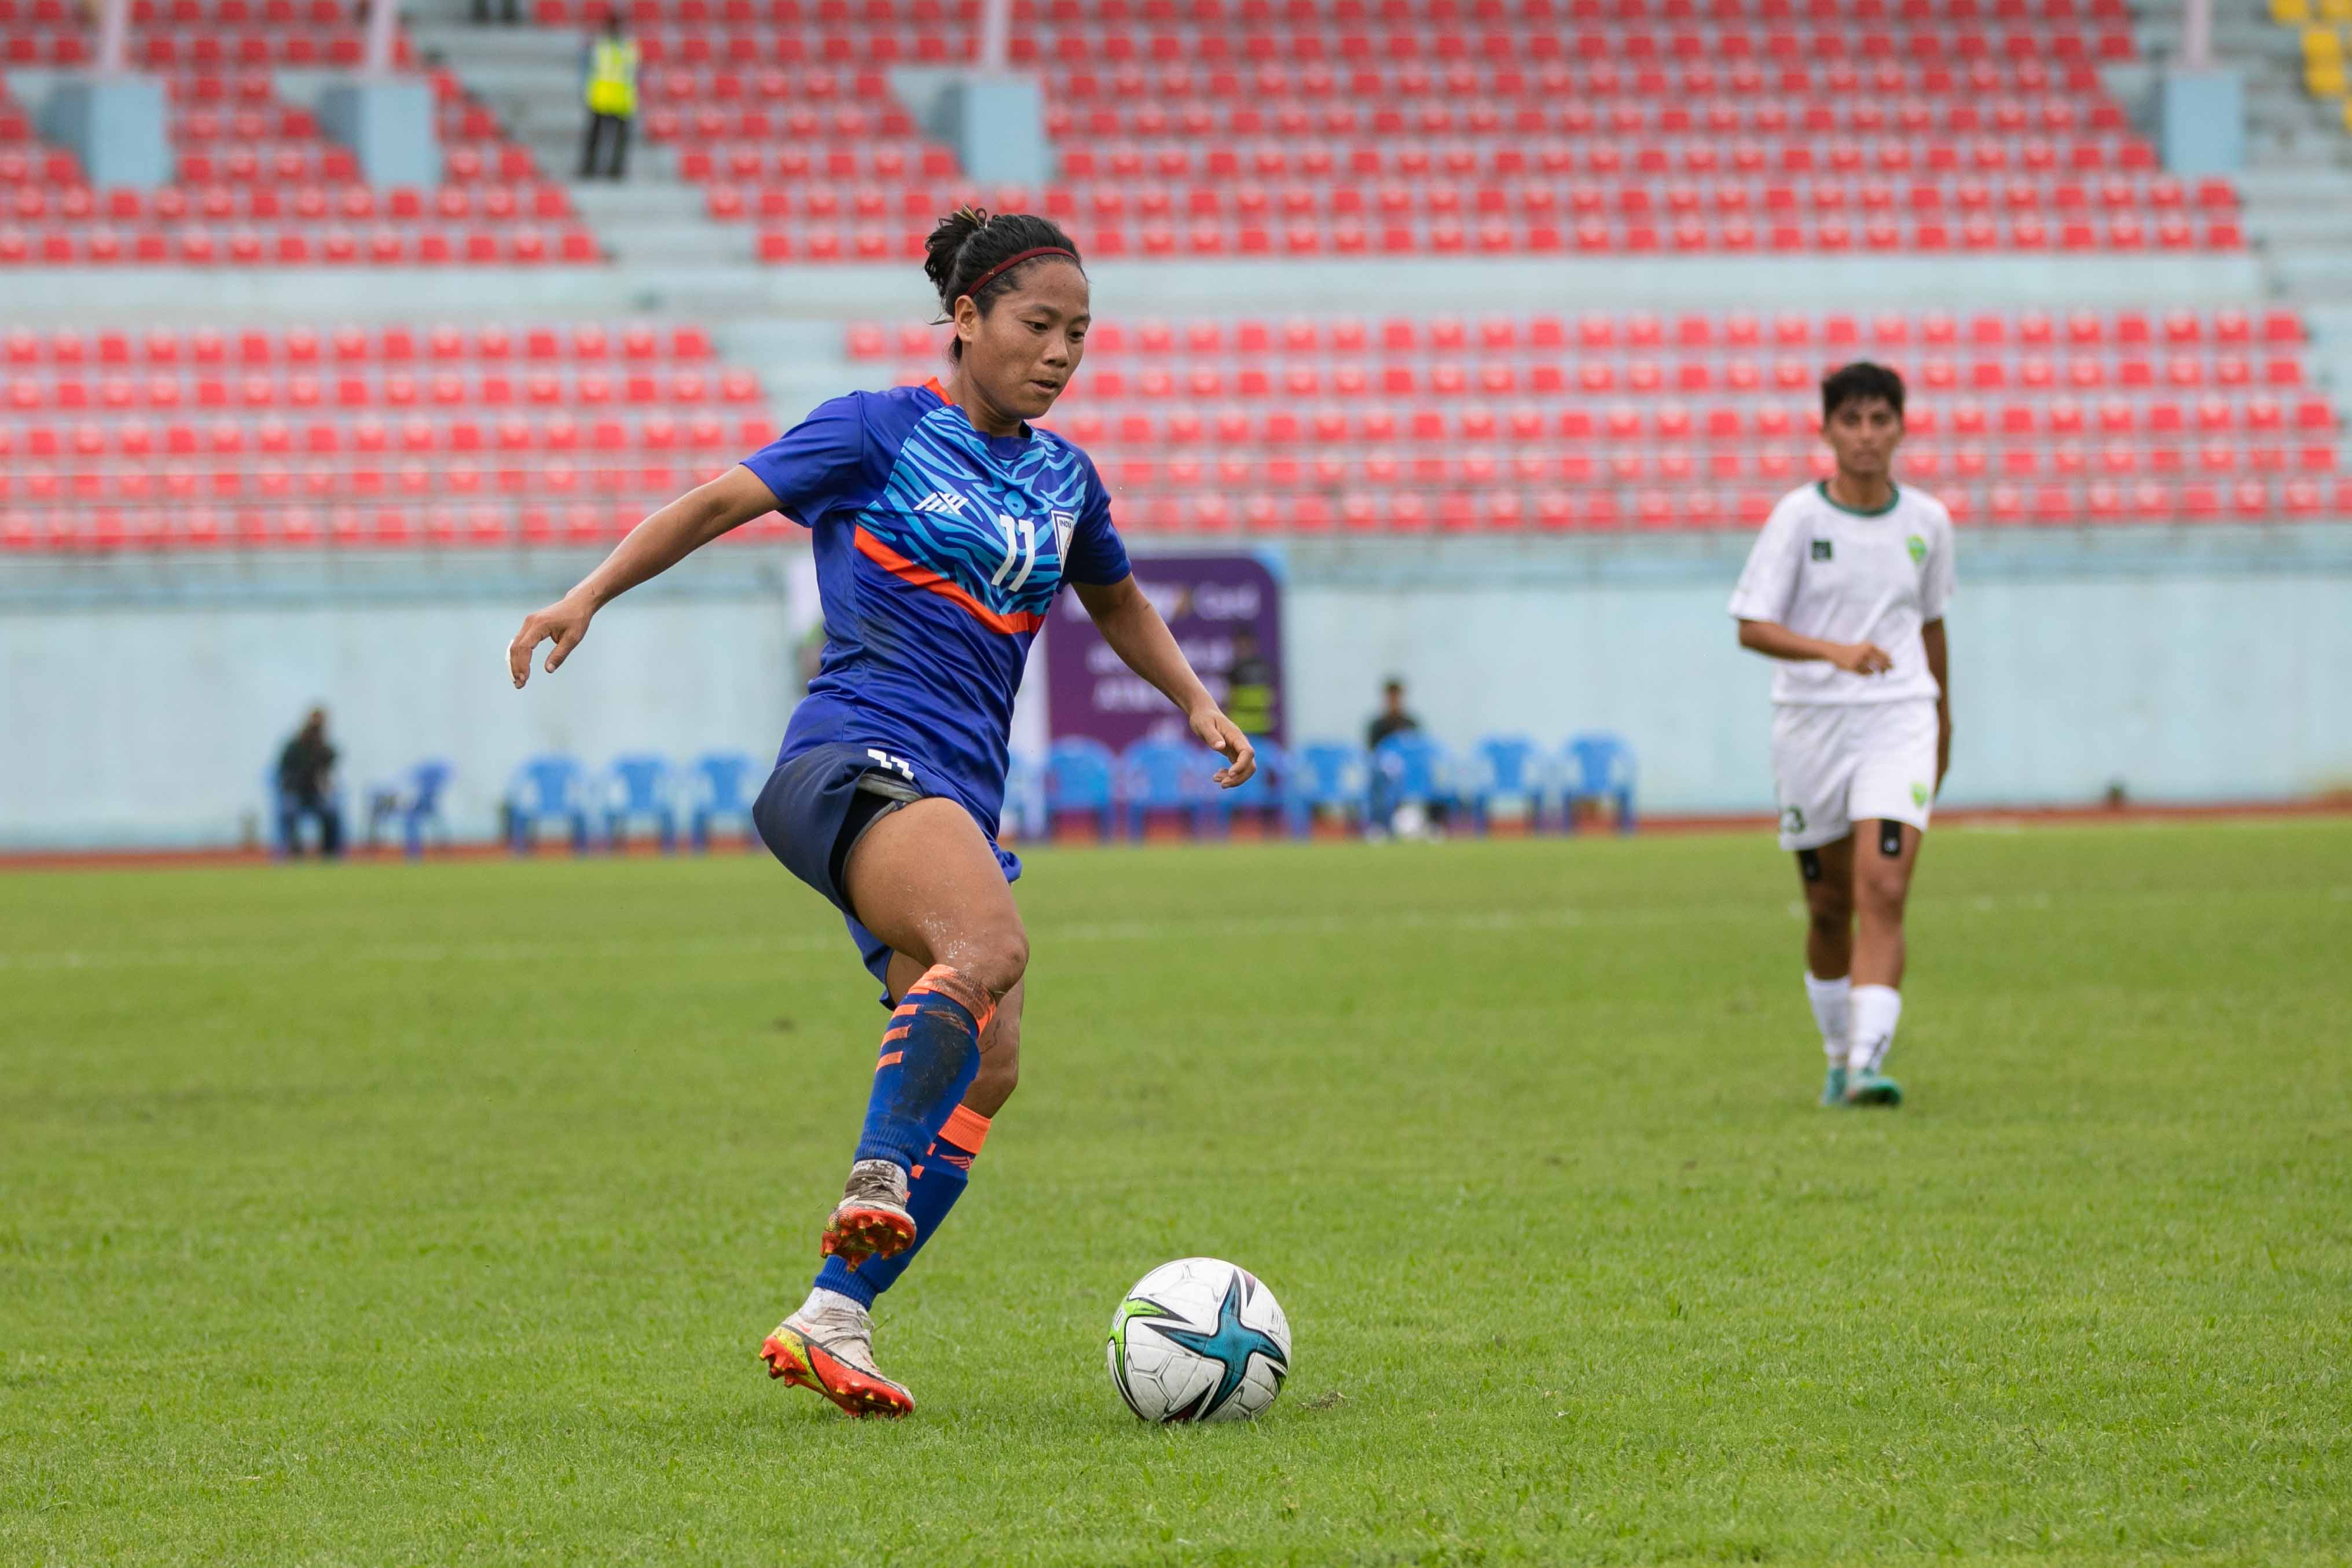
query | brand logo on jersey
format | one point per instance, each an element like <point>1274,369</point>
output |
<point>1918,549</point>
<point>1065,525</point>
<point>946,501</point>
<point>1821,550</point>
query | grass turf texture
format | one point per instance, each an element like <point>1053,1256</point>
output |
<point>405,1214</point>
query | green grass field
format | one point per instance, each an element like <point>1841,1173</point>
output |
<point>432,1215</point>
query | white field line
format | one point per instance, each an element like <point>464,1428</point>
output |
<point>1190,928</point>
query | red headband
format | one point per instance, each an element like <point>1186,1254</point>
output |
<point>977,284</point>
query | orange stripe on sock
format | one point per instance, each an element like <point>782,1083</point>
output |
<point>889,1059</point>
<point>954,984</point>
<point>967,1129</point>
<point>900,1033</point>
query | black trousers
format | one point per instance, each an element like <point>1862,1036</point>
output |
<point>289,825</point>
<point>598,126</point>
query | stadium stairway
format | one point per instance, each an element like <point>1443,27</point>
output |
<point>2297,185</point>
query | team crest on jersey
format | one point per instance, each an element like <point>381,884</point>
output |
<point>1918,549</point>
<point>1821,550</point>
<point>1065,525</point>
<point>1918,794</point>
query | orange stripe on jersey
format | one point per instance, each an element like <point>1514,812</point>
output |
<point>924,577</point>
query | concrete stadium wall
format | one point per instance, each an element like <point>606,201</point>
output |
<point>143,700</point>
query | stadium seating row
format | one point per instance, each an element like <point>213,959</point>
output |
<point>83,527</point>
<point>206,202</point>
<point>516,245</point>
<point>1262,15</point>
<point>391,391</point>
<point>1350,337</point>
<point>1843,82</point>
<point>229,437</point>
<point>1493,236</point>
<point>1898,89</point>
<point>590,342</point>
<point>1081,777</point>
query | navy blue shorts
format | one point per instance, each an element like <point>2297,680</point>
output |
<point>810,813</point>
<point>814,808</point>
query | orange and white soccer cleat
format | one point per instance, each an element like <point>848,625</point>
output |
<point>828,1346</point>
<point>871,1220</point>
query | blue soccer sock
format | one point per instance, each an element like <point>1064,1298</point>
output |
<point>939,1181</point>
<point>931,1054</point>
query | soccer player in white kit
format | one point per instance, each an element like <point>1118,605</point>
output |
<point>1846,586</point>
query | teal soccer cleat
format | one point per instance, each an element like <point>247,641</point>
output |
<point>1869,1088</point>
<point>1833,1087</point>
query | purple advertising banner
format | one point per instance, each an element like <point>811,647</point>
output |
<point>1226,613</point>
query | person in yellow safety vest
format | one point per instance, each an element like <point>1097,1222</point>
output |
<point>610,86</point>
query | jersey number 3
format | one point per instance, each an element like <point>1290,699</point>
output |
<point>1020,549</point>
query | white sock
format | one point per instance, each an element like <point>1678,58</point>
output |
<point>1876,1009</point>
<point>825,1303</point>
<point>1833,1010</point>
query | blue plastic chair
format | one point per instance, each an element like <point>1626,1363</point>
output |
<point>1168,776</point>
<point>1264,792</point>
<point>1409,767</point>
<point>722,782</point>
<point>1600,768</point>
<point>1023,814</point>
<point>637,786</point>
<point>544,787</point>
<point>418,803</point>
<point>1324,775</point>
<point>1507,768</point>
<point>1078,779</point>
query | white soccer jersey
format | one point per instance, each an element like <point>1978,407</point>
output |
<point>1823,570</point>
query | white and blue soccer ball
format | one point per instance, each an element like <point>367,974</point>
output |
<point>1199,1340</point>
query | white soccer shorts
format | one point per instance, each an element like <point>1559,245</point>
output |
<point>1834,766</point>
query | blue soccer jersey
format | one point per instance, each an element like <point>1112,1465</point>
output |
<point>939,551</point>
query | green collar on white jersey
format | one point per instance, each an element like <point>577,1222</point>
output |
<point>1893,494</point>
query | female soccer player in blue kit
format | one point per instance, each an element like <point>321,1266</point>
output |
<point>943,525</point>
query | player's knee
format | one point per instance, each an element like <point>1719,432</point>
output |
<point>995,958</point>
<point>1880,891</point>
<point>1832,918</point>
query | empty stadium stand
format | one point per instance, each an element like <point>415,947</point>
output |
<point>259,183</point>
<point>195,438</point>
<point>1698,421</point>
<point>1210,128</point>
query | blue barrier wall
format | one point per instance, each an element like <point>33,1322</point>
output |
<point>144,698</point>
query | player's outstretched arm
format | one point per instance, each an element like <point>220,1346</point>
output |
<point>1143,642</point>
<point>652,548</point>
<point>1775,641</point>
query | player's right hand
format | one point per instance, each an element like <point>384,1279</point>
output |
<point>564,623</point>
<point>1858,658</point>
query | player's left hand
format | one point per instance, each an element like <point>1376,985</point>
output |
<point>1220,734</point>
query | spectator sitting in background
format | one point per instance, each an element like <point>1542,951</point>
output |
<point>305,781</point>
<point>1381,814</point>
<point>1392,718</point>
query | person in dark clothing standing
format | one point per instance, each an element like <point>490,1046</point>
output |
<point>305,775</point>
<point>1252,688</point>
<point>1392,718</point>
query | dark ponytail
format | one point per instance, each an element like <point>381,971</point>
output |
<point>970,247</point>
